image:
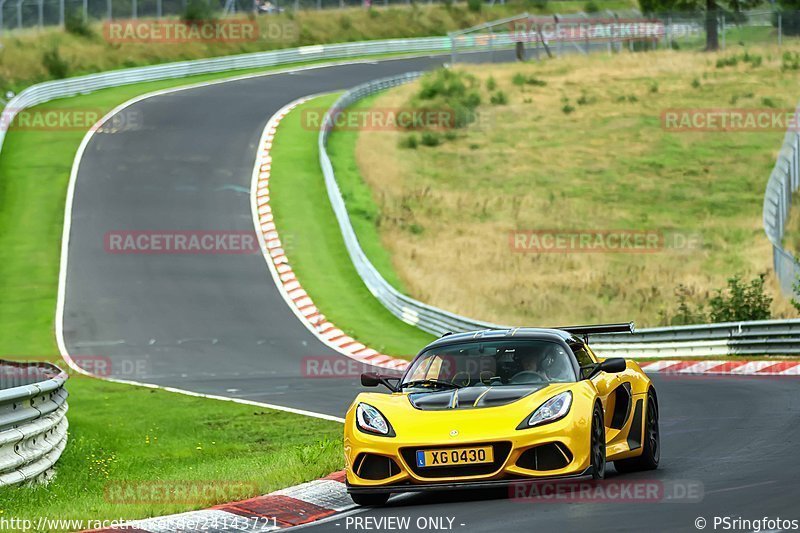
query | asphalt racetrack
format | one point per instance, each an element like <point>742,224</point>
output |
<point>217,324</point>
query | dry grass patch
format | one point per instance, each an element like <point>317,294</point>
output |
<point>579,146</point>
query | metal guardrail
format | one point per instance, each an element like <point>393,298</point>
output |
<point>705,340</point>
<point>783,181</point>
<point>33,421</point>
<point>51,90</point>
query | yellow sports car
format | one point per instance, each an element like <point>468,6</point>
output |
<point>496,407</point>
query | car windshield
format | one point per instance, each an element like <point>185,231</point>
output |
<point>491,363</point>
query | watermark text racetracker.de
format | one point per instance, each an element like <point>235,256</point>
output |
<point>601,241</point>
<point>609,491</point>
<point>121,367</point>
<point>337,366</point>
<point>184,492</point>
<point>729,120</point>
<point>227,30</point>
<point>44,118</point>
<point>182,242</point>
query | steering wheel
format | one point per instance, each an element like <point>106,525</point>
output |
<point>526,377</point>
<point>466,381</point>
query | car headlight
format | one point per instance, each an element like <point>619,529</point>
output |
<point>553,409</point>
<point>370,420</point>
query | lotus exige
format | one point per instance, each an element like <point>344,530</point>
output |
<point>497,407</point>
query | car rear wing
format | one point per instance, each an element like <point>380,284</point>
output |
<point>624,327</point>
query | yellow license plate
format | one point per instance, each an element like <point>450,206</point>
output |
<point>455,456</point>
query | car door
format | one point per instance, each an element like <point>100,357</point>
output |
<point>616,395</point>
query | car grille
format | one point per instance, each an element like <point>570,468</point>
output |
<point>501,451</point>
<point>545,457</point>
<point>375,467</point>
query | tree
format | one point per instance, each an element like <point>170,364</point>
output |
<point>711,9</point>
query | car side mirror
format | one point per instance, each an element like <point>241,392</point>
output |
<point>371,379</point>
<point>612,365</point>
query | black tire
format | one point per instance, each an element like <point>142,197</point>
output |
<point>651,448</point>
<point>598,444</point>
<point>370,500</point>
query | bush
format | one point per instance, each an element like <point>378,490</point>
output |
<point>520,79</point>
<point>567,109</point>
<point>585,99</point>
<point>696,83</point>
<point>198,11</point>
<point>768,102</point>
<point>499,98</point>
<point>410,141</point>
<point>75,24</point>
<point>790,61</point>
<point>430,138</point>
<point>55,65</point>
<point>491,84</point>
<point>591,7</point>
<point>449,89</point>
<point>731,61</point>
<point>740,301</point>
<point>474,5</point>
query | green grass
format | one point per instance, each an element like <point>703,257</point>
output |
<point>176,440</point>
<point>314,245</point>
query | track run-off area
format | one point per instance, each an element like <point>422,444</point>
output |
<point>216,323</point>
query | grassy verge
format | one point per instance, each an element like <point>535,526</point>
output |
<point>558,152</point>
<point>30,57</point>
<point>314,244</point>
<point>179,439</point>
<point>182,453</point>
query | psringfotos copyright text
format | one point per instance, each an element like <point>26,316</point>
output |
<point>737,523</point>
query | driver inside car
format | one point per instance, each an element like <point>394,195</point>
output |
<point>547,364</point>
<point>531,367</point>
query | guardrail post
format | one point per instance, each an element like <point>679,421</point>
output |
<point>795,160</point>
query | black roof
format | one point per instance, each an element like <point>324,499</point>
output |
<point>510,333</point>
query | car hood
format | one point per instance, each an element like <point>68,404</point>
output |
<point>470,397</point>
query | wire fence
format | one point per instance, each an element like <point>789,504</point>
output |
<point>537,36</point>
<point>24,14</point>
<point>783,182</point>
